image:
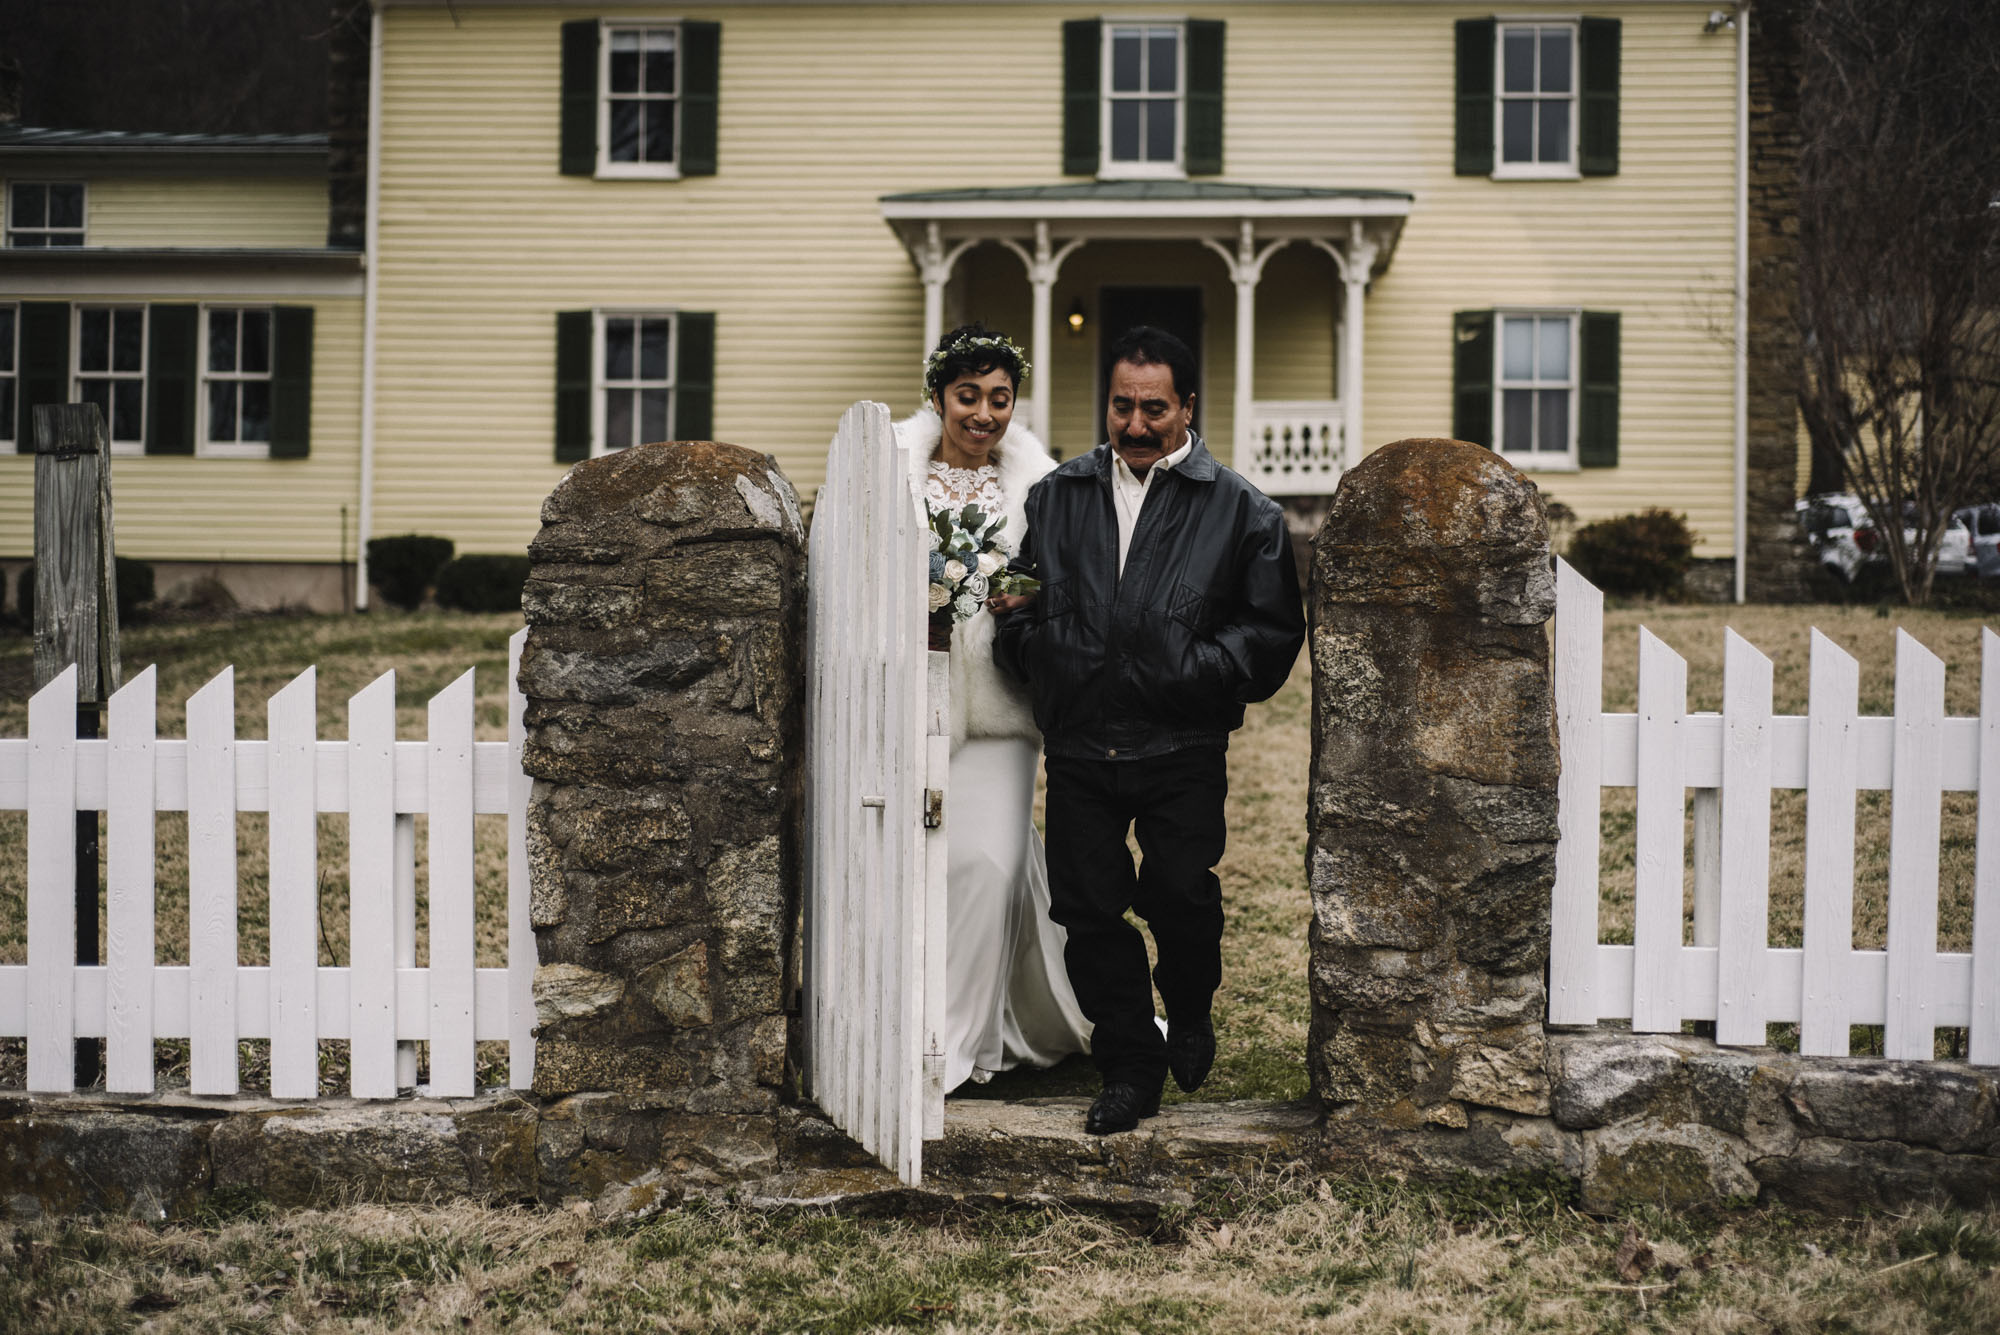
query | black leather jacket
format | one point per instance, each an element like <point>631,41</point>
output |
<point>1205,618</point>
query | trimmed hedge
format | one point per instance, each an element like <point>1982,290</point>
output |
<point>482,583</point>
<point>1645,555</point>
<point>403,567</point>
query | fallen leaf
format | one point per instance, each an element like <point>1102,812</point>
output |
<point>1635,1256</point>
<point>560,1268</point>
<point>1223,1237</point>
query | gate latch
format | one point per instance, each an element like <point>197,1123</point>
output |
<point>933,808</point>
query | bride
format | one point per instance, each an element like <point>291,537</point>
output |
<point>1007,995</point>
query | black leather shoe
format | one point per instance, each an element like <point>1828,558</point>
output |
<point>1119,1108</point>
<point>1190,1053</point>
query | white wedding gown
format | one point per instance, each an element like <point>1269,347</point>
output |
<point>1008,1001</point>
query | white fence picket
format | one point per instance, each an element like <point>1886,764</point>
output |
<point>371,934</point>
<point>937,744</point>
<point>292,724</point>
<point>1914,826</point>
<point>452,1067</point>
<point>51,969</point>
<point>130,828</point>
<point>521,955</point>
<point>1983,1045</point>
<point>1579,692</point>
<point>1657,1005</point>
<point>1745,917</point>
<point>212,904</point>
<point>1829,856</point>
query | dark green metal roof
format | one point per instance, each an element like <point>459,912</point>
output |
<point>42,137</point>
<point>1215,192</point>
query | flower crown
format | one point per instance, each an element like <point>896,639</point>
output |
<point>969,343</point>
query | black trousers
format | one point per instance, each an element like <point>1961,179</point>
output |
<point>1175,804</point>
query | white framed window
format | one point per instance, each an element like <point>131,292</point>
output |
<point>1536,117</point>
<point>638,129</point>
<point>108,368</point>
<point>634,395</point>
<point>1534,387</point>
<point>235,402</point>
<point>44,213</point>
<point>10,372</point>
<point>1144,77</point>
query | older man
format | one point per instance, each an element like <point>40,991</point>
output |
<point>1168,599</point>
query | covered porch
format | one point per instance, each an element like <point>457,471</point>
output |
<point>1285,407</point>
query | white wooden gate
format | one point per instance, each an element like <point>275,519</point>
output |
<point>878,749</point>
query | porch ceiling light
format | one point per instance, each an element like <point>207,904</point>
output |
<point>1076,316</point>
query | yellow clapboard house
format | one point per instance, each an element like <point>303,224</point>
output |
<point>594,225</point>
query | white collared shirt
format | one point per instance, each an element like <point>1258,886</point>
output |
<point>1128,493</point>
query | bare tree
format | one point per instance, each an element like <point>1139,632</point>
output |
<point>1899,261</point>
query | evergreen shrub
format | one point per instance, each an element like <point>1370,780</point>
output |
<point>403,567</point>
<point>1645,555</point>
<point>482,583</point>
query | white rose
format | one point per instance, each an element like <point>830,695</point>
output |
<point>954,570</point>
<point>964,606</point>
<point>990,563</point>
<point>939,596</point>
<point>976,585</point>
<point>931,535</point>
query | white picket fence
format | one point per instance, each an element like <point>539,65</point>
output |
<point>878,749</point>
<point>380,1002</point>
<point>1728,972</point>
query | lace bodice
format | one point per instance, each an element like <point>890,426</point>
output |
<point>948,488</point>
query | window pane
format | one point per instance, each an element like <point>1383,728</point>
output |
<point>221,345</point>
<point>1552,431</point>
<point>653,350</point>
<point>1517,419</point>
<point>93,342</point>
<point>128,409</point>
<point>660,61</point>
<point>624,60</point>
<point>6,339</point>
<point>1554,142</point>
<point>1553,360</point>
<point>1160,117</point>
<point>128,340</point>
<point>1517,349</point>
<point>27,240</point>
<point>618,349</point>
<point>1125,131</point>
<point>624,131</point>
<point>617,419</point>
<point>1517,61</point>
<point>97,392</point>
<point>30,206</point>
<point>65,206</point>
<point>1162,61</point>
<point>257,341</point>
<point>659,131</point>
<point>257,410</point>
<point>7,409</point>
<point>222,410</point>
<point>1125,62</point>
<point>63,239</point>
<point>1517,126</point>
<point>652,414</point>
<point>1555,60</point>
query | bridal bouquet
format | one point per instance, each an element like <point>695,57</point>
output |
<point>969,562</point>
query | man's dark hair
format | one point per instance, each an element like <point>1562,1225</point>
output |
<point>1143,345</point>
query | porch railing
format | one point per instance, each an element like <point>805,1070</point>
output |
<point>1295,447</point>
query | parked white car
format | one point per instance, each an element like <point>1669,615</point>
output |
<point>1984,523</point>
<point>1844,539</point>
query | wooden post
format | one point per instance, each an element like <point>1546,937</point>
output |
<point>76,615</point>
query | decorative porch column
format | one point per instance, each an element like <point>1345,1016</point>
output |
<point>935,264</point>
<point>1043,266</point>
<point>1246,267</point>
<point>1355,263</point>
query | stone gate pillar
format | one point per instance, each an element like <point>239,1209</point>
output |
<point>664,686</point>
<point>1432,816</point>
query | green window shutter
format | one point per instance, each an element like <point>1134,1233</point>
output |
<point>1474,143</point>
<point>1204,97</point>
<point>1597,89</point>
<point>701,82</point>
<point>44,354</point>
<point>291,382</point>
<point>1597,414</point>
<point>579,97</point>
<point>173,371</point>
<point>573,354</point>
<point>1472,377</point>
<point>694,376</point>
<point>1083,53</point>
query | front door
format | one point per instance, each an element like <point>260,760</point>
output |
<point>1174,309</point>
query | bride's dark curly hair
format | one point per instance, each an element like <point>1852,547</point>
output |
<point>975,350</point>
